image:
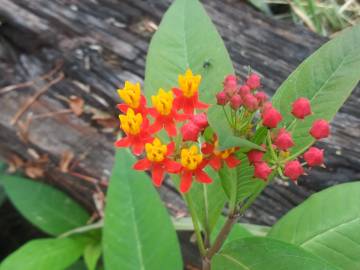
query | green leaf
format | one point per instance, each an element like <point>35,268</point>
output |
<point>137,233</point>
<point>186,38</point>
<point>79,265</point>
<point>327,224</point>
<point>260,253</point>
<point>241,181</point>
<point>92,253</point>
<point>45,254</point>
<point>208,201</point>
<point>262,6</point>
<point>237,231</point>
<point>326,78</point>
<point>47,208</point>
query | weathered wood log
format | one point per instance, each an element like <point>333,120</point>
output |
<point>102,44</point>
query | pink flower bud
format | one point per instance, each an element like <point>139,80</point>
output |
<point>200,120</point>
<point>301,108</point>
<point>262,170</point>
<point>235,102</point>
<point>266,105</point>
<point>261,97</point>
<point>253,81</point>
<point>283,140</point>
<point>255,156</point>
<point>314,156</point>
<point>230,81</point>
<point>293,170</point>
<point>244,90</point>
<point>221,98</point>
<point>229,92</point>
<point>190,131</point>
<point>230,85</point>
<point>250,102</point>
<point>271,117</point>
<point>320,129</point>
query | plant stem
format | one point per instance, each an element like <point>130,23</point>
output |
<point>220,239</point>
<point>195,221</point>
<point>206,264</point>
<point>271,146</point>
<point>227,117</point>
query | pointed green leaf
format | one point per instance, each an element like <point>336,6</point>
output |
<point>260,253</point>
<point>92,253</point>
<point>49,209</point>
<point>138,233</point>
<point>241,181</point>
<point>45,254</point>
<point>327,224</point>
<point>186,38</point>
<point>326,78</point>
<point>208,200</point>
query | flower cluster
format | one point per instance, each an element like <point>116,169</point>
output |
<point>249,107</point>
<point>178,109</point>
<point>182,116</point>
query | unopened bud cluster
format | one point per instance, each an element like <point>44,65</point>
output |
<point>247,107</point>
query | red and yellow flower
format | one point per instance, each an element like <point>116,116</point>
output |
<point>192,166</point>
<point>132,98</point>
<point>136,130</point>
<point>157,161</point>
<point>187,95</point>
<point>165,113</point>
<point>216,157</point>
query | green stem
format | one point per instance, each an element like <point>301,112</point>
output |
<point>270,146</point>
<point>195,221</point>
<point>227,117</point>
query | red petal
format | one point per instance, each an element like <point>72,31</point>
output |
<point>142,165</point>
<point>188,107</point>
<point>172,166</point>
<point>155,127</point>
<point>203,164</point>
<point>170,148</point>
<point>186,181</point>
<point>232,161</point>
<point>157,174</point>
<point>201,105</point>
<point>137,148</point>
<point>142,101</point>
<point>170,129</point>
<point>177,92</point>
<point>123,142</point>
<point>207,148</point>
<point>122,107</point>
<point>215,163</point>
<point>182,117</point>
<point>202,177</point>
<point>153,112</point>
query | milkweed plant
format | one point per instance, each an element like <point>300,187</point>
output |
<point>219,134</point>
<point>219,140</point>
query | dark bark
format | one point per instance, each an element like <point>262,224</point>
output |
<point>102,44</point>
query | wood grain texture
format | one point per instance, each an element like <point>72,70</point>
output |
<point>102,44</point>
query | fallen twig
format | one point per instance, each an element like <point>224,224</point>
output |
<point>44,77</point>
<point>30,101</point>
